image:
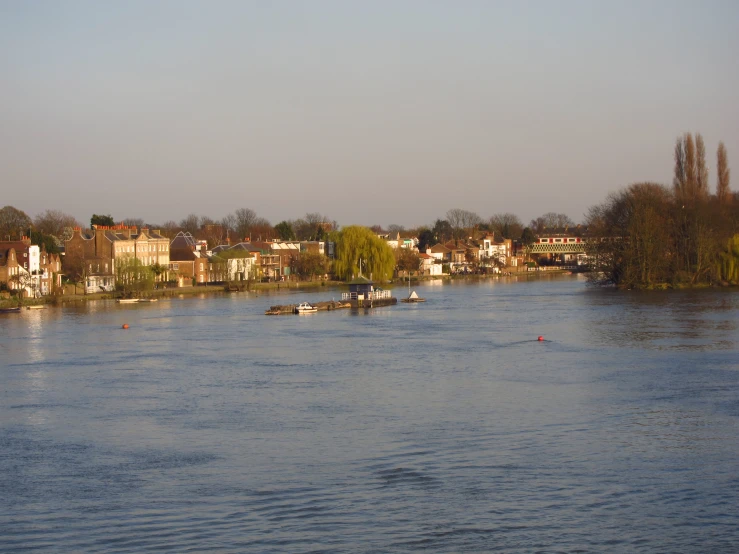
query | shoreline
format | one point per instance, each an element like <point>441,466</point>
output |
<point>61,300</point>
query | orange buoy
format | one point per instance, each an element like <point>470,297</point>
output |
<point>540,338</point>
<point>125,326</point>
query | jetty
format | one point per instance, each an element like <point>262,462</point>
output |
<point>362,294</point>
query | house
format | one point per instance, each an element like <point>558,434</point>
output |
<point>400,240</point>
<point>188,263</point>
<point>92,255</point>
<point>440,252</point>
<point>429,265</point>
<point>277,258</point>
<point>29,267</point>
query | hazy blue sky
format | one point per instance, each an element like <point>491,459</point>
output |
<point>371,112</point>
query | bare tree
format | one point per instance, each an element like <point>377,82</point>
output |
<point>228,222</point>
<point>701,175</point>
<point>678,180</point>
<point>462,221</point>
<point>55,223</point>
<point>244,219</point>
<point>169,229</point>
<point>551,220</point>
<point>191,224</point>
<point>691,179</point>
<point>134,222</point>
<point>506,225</point>
<point>723,193</point>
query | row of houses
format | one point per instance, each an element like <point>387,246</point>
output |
<point>94,256</point>
<point>29,268</point>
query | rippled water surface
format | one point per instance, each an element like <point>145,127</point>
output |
<point>443,426</point>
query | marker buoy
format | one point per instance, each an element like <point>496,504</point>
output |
<point>124,326</point>
<point>540,338</point>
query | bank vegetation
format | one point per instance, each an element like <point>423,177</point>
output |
<point>653,236</point>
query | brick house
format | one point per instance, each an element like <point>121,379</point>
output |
<point>92,254</point>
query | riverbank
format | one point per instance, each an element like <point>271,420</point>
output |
<point>261,287</point>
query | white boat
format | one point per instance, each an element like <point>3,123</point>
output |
<point>305,308</point>
<point>128,300</point>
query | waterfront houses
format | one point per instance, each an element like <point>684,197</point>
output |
<point>92,255</point>
<point>29,268</point>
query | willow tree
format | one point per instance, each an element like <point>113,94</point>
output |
<point>728,264</point>
<point>357,245</point>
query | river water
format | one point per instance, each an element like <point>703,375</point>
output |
<point>444,426</point>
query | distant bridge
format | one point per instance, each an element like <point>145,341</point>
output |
<point>558,245</point>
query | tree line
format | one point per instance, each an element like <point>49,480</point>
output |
<point>652,235</point>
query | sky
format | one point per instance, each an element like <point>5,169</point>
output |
<point>382,112</point>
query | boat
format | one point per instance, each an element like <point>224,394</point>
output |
<point>305,308</point>
<point>413,297</point>
<point>128,300</point>
<point>148,299</point>
<point>36,307</point>
<point>10,310</point>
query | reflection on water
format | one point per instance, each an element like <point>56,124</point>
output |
<point>444,426</point>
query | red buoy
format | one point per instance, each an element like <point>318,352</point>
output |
<point>125,326</point>
<point>540,338</point>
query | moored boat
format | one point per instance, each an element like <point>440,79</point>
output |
<point>10,310</point>
<point>305,308</point>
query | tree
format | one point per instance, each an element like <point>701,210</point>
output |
<point>723,193</point>
<point>50,243</point>
<point>678,180</point>
<point>406,259</point>
<point>393,229</point>
<point>102,220</point>
<point>426,239</point>
<point>228,223</point>
<point>133,277</point>
<point>14,223</point>
<point>630,236</point>
<point>262,229</point>
<point>190,224</point>
<point>308,264</point>
<point>728,264</point>
<point>462,222</point>
<point>244,218</point>
<point>506,225</point>
<point>169,229</point>
<point>442,231</point>
<point>134,222</point>
<point>55,223</point>
<point>284,230</point>
<point>691,170</point>
<point>527,239</point>
<point>701,169</point>
<point>359,245</point>
<point>551,220</point>
<point>23,283</point>
<point>313,227</point>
